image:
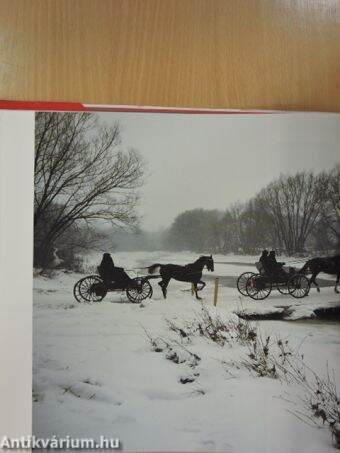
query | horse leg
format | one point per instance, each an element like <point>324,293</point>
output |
<point>195,291</point>
<point>337,282</point>
<point>203,284</point>
<point>164,284</point>
<point>312,280</point>
<point>161,284</point>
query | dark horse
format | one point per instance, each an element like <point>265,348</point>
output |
<point>191,272</point>
<point>329,265</point>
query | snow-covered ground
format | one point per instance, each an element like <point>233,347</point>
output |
<point>95,372</point>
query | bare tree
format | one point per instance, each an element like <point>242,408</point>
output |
<point>81,175</point>
<point>231,225</point>
<point>331,205</point>
<point>256,229</point>
<point>294,204</point>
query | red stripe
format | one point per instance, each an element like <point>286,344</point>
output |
<point>77,106</point>
<point>41,105</point>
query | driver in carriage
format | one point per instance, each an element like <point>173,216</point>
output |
<point>276,266</point>
<point>114,277</point>
<point>270,266</point>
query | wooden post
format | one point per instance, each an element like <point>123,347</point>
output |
<point>192,289</point>
<point>216,292</point>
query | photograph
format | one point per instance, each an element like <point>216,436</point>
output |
<point>186,280</point>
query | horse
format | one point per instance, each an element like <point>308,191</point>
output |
<point>191,273</point>
<point>328,265</point>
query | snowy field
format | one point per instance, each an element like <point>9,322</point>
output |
<point>95,372</point>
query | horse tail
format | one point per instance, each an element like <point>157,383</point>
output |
<point>152,269</point>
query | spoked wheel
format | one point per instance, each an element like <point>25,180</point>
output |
<point>258,287</point>
<point>242,282</point>
<point>90,289</point>
<point>140,291</point>
<point>283,288</point>
<point>298,286</point>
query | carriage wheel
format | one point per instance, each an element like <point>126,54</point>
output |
<point>298,286</point>
<point>142,290</point>
<point>258,287</point>
<point>242,282</point>
<point>283,288</point>
<point>90,289</point>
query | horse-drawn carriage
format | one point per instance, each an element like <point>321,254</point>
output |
<point>93,288</point>
<point>259,285</point>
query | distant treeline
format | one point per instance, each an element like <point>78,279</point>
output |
<point>128,241</point>
<point>293,214</point>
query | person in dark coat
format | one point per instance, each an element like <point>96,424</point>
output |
<point>111,274</point>
<point>264,261</point>
<point>275,266</point>
<point>272,259</point>
<point>263,256</point>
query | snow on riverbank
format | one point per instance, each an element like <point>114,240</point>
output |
<point>95,372</point>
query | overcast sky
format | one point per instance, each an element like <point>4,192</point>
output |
<point>212,161</point>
